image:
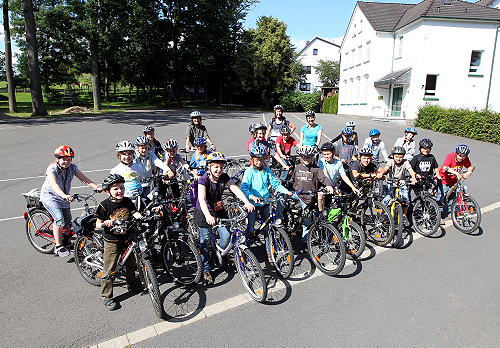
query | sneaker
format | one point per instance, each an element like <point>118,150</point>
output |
<point>61,251</point>
<point>110,304</point>
<point>207,277</point>
<point>277,223</point>
<point>405,221</point>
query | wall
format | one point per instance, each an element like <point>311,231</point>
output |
<point>326,51</point>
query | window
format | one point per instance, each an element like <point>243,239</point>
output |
<point>360,26</point>
<point>368,44</point>
<point>430,85</point>
<point>315,52</point>
<point>475,61</point>
<point>360,54</point>
<point>308,69</point>
<point>351,90</point>
<point>352,58</point>
<point>365,88</point>
<point>305,86</point>
<point>357,90</point>
<point>400,46</point>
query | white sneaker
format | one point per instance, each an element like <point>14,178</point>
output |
<point>61,251</point>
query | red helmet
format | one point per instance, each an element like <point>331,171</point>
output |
<point>64,151</point>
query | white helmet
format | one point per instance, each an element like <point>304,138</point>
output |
<point>307,150</point>
<point>350,124</point>
<point>125,145</point>
<point>195,114</point>
<point>170,144</point>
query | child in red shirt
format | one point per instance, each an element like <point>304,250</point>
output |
<point>284,144</point>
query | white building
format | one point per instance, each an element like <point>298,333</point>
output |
<point>317,49</point>
<point>397,57</point>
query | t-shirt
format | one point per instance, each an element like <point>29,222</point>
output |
<point>213,199</point>
<point>133,175</point>
<point>149,163</point>
<point>334,170</point>
<point>357,166</point>
<point>378,148</point>
<point>251,140</point>
<point>276,128</point>
<point>110,210</point>
<point>424,165</point>
<point>63,179</point>
<point>310,134</point>
<point>307,178</point>
<point>409,147</point>
<point>286,147</point>
<point>192,133</point>
<point>450,161</point>
<point>397,171</point>
<point>345,151</point>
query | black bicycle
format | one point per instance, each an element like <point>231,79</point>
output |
<point>425,216</point>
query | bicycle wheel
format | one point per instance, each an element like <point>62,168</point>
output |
<point>88,259</point>
<point>355,240</point>
<point>39,231</point>
<point>251,274</point>
<point>182,261</point>
<point>151,282</point>
<point>234,170</point>
<point>465,213</point>
<point>194,232</point>
<point>281,251</point>
<point>378,223</point>
<point>397,214</point>
<point>326,248</point>
<point>426,216</point>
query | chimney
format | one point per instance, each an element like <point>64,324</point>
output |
<point>307,43</point>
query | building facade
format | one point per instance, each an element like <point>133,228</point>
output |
<point>397,57</point>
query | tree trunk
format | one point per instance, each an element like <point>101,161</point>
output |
<point>8,60</point>
<point>96,83</point>
<point>221,88</point>
<point>137,93</point>
<point>33,65</point>
<point>150,94</point>
<point>106,80</point>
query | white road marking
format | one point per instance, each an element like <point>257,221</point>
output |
<point>233,302</point>
<point>264,119</point>
<point>43,176</point>
<point>22,217</point>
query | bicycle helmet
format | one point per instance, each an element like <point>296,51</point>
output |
<point>276,107</point>
<point>365,151</point>
<point>110,180</point>
<point>216,157</point>
<point>411,130</point>
<point>142,140</point>
<point>148,129</point>
<point>350,124</point>
<point>310,113</point>
<point>398,150</point>
<point>462,149</point>
<point>170,144</point>
<point>425,143</point>
<point>195,114</point>
<point>258,151</point>
<point>328,147</point>
<point>200,141</point>
<point>307,150</point>
<point>251,128</point>
<point>64,151</point>
<point>285,130</point>
<point>258,126</point>
<point>125,145</point>
<point>347,131</point>
<point>374,131</point>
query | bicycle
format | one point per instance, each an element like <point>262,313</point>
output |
<point>465,211</point>
<point>396,208</point>
<point>247,265</point>
<point>39,221</point>
<point>425,216</point>
<point>89,249</point>
<point>235,168</point>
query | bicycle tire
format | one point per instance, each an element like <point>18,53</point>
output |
<point>466,217</point>
<point>354,245</point>
<point>85,248</point>
<point>326,248</point>
<point>40,220</point>
<point>150,279</point>
<point>251,274</point>
<point>182,261</point>
<point>397,214</point>
<point>281,251</point>
<point>378,223</point>
<point>426,216</point>
<point>234,168</point>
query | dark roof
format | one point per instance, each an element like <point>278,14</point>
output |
<point>484,2</point>
<point>390,17</point>
<point>317,38</point>
<point>396,77</point>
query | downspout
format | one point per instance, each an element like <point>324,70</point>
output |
<point>392,69</point>
<point>492,64</point>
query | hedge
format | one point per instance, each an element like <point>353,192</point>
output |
<point>475,124</point>
<point>298,101</point>
<point>331,104</point>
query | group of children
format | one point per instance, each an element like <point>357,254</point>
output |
<point>341,165</point>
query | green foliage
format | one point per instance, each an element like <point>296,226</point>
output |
<point>475,124</point>
<point>331,104</point>
<point>298,101</point>
<point>329,72</point>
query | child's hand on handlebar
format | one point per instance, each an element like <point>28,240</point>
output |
<point>249,207</point>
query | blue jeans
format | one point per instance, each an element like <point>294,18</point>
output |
<point>306,221</point>
<point>252,216</point>
<point>206,242</point>
<point>62,216</point>
<point>442,191</point>
<point>284,173</point>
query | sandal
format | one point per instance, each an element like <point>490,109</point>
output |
<point>207,277</point>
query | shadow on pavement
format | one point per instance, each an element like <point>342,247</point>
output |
<point>183,303</point>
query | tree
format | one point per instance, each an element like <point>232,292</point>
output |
<point>9,72</point>
<point>329,72</point>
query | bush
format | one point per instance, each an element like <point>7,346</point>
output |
<point>331,104</point>
<point>475,124</point>
<point>298,101</point>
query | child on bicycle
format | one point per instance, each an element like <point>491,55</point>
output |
<point>196,130</point>
<point>155,145</point>
<point>116,206</point>
<point>346,152</point>
<point>408,142</point>
<point>284,144</point>
<point>255,185</point>
<point>424,164</point>
<point>377,145</point>
<point>199,159</point>
<point>130,171</point>
<point>260,132</point>
<point>55,195</point>
<point>209,206</point>
<point>396,168</point>
<point>353,140</point>
<point>450,173</point>
<point>175,163</point>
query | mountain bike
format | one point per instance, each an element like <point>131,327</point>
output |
<point>465,211</point>
<point>395,206</point>
<point>425,216</point>
<point>39,221</point>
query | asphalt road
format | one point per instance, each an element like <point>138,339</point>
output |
<point>440,291</point>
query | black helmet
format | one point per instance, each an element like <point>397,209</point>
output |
<point>365,151</point>
<point>110,180</point>
<point>276,107</point>
<point>328,147</point>
<point>285,130</point>
<point>398,150</point>
<point>425,143</point>
<point>148,129</point>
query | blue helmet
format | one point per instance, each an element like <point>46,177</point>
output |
<point>258,151</point>
<point>411,130</point>
<point>462,149</point>
<point>200,141</point>
<point>374,131</point>
<point>347,131</point>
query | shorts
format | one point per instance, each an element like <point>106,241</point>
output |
<point>403,194</point>
<point>61,216</point>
